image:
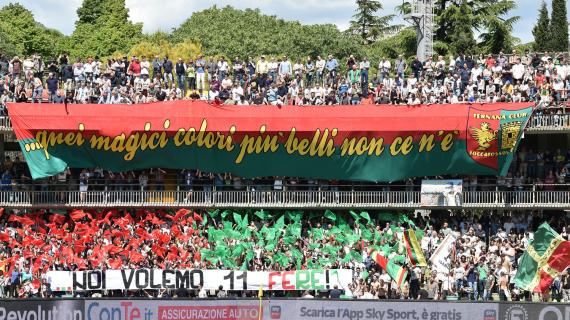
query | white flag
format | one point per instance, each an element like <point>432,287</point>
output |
<point>441,258</point>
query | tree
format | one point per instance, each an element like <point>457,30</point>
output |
<point>7,48</point>
<point>487,17</point>
<point>497,30</point>
<point>498,36</point>
<point>160,47</point>
<point>559,27</point>
<point>20,30</point>
<point>90,11</point>
<point>103,29</point>
<point>243,33</point>
<point>404,42</point>
<point>461,35</point>
<point>367,24</point>
<point>541,30</point>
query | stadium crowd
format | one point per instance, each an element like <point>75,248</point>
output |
<point>485,256</point>
<point>483,261</point>
<point>323,80</point>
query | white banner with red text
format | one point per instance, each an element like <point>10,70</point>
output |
<point>149,279</point>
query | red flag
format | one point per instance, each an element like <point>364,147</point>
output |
<point>108,216</point>
<point>143,234</point>
<point>112,249</point>
<point>136,257</point>
<point>115,263</point>
<point>77,214</point>
<point>197,217</point>
<point>156,221</point>
<point>56,218</point>
<point>1,212</point>
<point>164,238</point>
<point>175,230</point>
<point>4,237</point>
<point>158,250</point>
<point>180,214</point>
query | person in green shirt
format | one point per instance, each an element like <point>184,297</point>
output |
<point>354,75</point>
<point>483,272</point>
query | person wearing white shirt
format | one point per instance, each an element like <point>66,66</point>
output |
<point>145,66</point>
<point>320,66</point>
<point>285,68</point>
<point>237,92</point>
<point>518,70</point>
<point>223,68</point>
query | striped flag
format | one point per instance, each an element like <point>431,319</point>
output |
<point>413,249</point>
<point>546,257</point>
<point>396,272</point>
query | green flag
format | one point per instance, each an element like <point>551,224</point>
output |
<point>365,216</point>
<point>214,213</point>
<point>263,215</point>
<point>355,216</point>
<point>330,215</point>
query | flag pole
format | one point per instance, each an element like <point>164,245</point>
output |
<point>260,296</point>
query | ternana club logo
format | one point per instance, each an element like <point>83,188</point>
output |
<point>516,312</point>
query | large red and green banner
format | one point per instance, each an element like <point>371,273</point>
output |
<point>373,143</point>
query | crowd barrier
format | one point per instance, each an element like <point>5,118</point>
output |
<point>279,199</point>
<point>276,309</point>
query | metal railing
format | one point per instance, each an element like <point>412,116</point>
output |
<point>5,123</point>
<point>279,199</point>
<point>549,122</point>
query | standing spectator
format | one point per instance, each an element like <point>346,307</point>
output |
<point>364,67</point>
<point>417,67</point>
<point>285,68</point>
<point>332,66</point>
<point>223,68</point>
<point>180,74</point>
<point>38,90</point>
<point>16,67</point>
<point>168,67</point>
<point>200,73</point>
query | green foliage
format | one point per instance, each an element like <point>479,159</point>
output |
<point>244,33</point>
<point>185,50</point>
<point>103,29</point>
<point>455,32</point>
<point>6,47</point>
<point>461,36</point>
<point>402,43</point>
<point>541,30</point>
<point>497,35</point>
<point>22,35</point>
<point>559,27</point>
<point>90,11</point>
<point>367,24</point>
<point>524,47</point>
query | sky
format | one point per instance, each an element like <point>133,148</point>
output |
<point>167,14</point>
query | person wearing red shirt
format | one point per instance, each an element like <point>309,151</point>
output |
<point>135,67</point>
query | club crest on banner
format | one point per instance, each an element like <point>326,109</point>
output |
<point>492,134</point>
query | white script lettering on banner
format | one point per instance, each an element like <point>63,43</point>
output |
<point>131,279</point>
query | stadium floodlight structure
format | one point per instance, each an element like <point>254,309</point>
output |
<point>422,17</point>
